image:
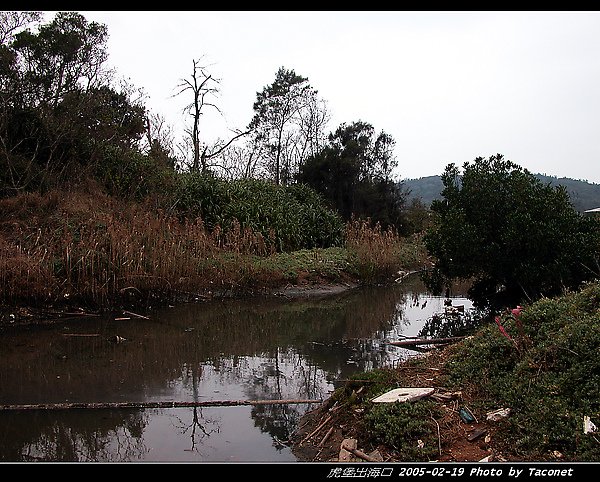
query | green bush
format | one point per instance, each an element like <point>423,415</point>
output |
<point>402,425</point>
<point>515,237</point>
<point>290,218</point>
<point>132,175</point>
<point>201,196</point>
<point>549,376</point>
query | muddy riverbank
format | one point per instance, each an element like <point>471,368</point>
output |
<point>44,314</point>
<point>324,432</point>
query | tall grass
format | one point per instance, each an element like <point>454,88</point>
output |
<point>378,253</point>
<point>97,250</point>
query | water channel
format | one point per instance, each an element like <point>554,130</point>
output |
<point>250,349</point>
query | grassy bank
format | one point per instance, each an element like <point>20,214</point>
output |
<point>542,364</point>
<point>545,368</point>
<point>93,250</point>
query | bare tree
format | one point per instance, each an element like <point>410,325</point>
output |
<point>204,88</point>
<point>312,125</point>
<point>241,161</point>
<point>159,138</point>
<point>157,129</point>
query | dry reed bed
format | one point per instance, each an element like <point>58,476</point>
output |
<point>52,249</point>
<point>92,249</point>
<point>379,253</point>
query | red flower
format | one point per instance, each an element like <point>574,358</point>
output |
<point>502,330</point>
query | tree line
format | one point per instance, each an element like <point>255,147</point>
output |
<point>66,117</point>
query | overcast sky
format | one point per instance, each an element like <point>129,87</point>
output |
<point>447,86</point>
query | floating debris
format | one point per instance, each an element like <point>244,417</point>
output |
<point>454,310</point>
<point>403,395</point>
<point>135,314</point>
<point>426,341</point>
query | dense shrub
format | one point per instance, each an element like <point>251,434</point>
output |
<point>289,218</point>
<point>544,365</point>
<point>131,175</point>
<point>401,425</point>
<point>514,237</point>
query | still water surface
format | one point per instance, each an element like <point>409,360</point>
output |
<point>253,349</point>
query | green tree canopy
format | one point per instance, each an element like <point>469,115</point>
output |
<point>354,172</point>
<point>288,122</point>
<point>517,238</point>
<point>59,116</point>
<point>64,54</point>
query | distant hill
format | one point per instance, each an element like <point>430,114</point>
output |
<point>584,195</point>
<point>425,188</point>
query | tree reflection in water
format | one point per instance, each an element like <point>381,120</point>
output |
<point>197,429</point>
<point>43,436</point>
<point>257,349</point>
<point>453,323</point>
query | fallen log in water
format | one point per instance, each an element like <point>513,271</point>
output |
<point>426,341</point>
<point>81,334</point>
<point>121,405</point>
<point>135,314</point>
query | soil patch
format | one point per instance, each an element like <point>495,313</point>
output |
<point>314,290</point>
